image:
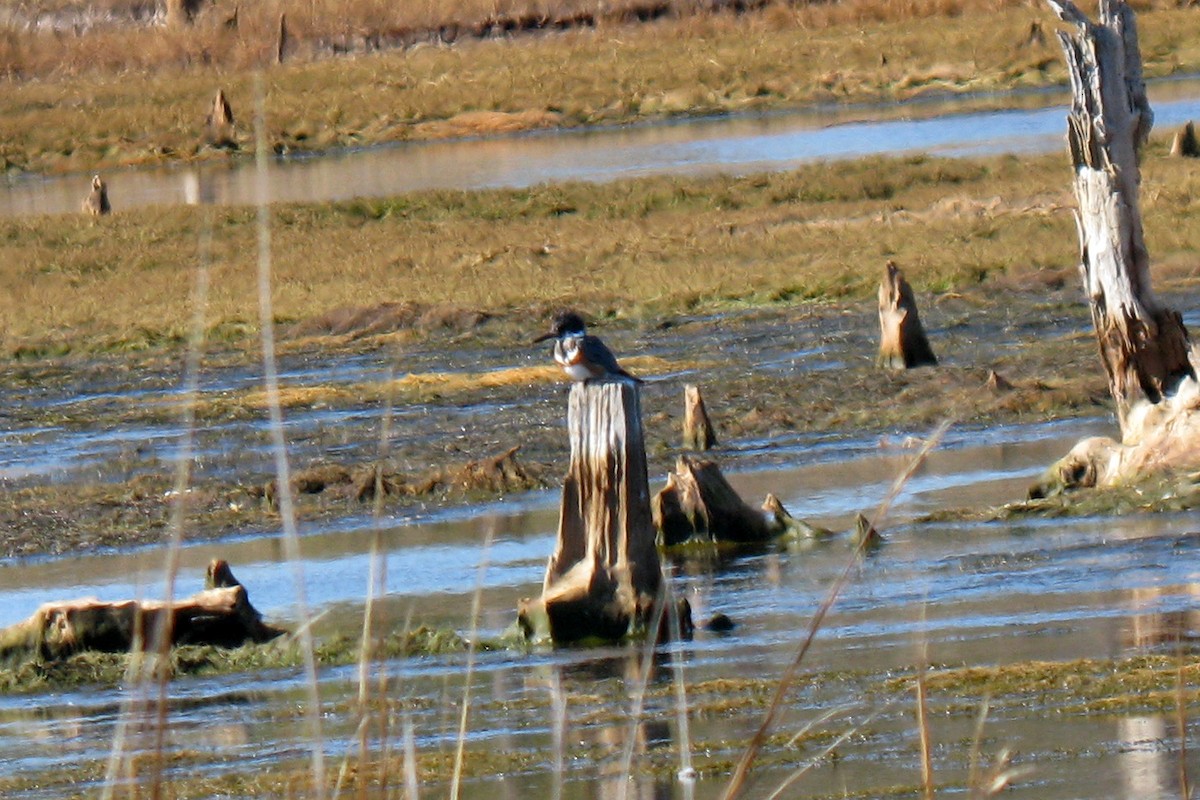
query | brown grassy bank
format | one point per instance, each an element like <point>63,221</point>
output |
<point>132,95</point>
<point>632,248</point>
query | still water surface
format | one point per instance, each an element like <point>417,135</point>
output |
<point>735,144</point>
<point>974,593</point>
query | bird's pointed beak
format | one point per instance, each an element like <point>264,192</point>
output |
<point>543,337</point>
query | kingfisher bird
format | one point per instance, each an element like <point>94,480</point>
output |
<point>582,356</point>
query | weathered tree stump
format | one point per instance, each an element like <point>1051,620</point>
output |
<point>1184,143</point>
<point>864,536</point>
<point>220,615</point>
<point>902,341</point>
<point>96,203</point>
<point>603,579</point>
<point>697,427</point>
<point>787,525</point>
<point>281,39</point>
<point>1143,344</point>
<point>219,124</point>
<point>997,383</point>
<point>698,504</point>
<point>1036,37</point>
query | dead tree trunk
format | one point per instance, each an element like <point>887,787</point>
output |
<point>1143,344</point>
<point>220,615</point>
<point>902,340</point>
<point>697,427</point>
<point>604,576</point>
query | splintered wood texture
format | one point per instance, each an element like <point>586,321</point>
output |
<point>220,615</point>
<point>698,502</point>
<point>697,427</point>
<point>902,340</point>
<point>605,572</point>
<point>1143,344</point>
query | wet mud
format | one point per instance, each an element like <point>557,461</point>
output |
<point>468,411</point>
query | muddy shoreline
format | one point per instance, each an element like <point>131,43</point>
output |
<point>775,379</point>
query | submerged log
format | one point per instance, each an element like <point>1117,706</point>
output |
<point>1144,345</point>
<point>697,427</point>
<point>902,340</point>
<point>603,579</point>
<point>220,615</point>
<point>96,203</point>
<point>218,125</point>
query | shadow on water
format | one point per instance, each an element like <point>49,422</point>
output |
<point>735,144</point>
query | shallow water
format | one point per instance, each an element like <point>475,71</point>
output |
<point>735,144</point>
<point>976,594</point>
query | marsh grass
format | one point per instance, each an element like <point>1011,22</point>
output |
<point>140,95</point>
<point>633,248</point>
<point>651,246</point>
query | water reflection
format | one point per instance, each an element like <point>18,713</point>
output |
<point>1167,616</point>
<point>731,144</point>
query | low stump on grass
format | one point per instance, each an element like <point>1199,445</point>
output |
<point>220,615</point>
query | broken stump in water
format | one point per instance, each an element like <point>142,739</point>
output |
<point>697,427</point>
<point>220,615</point>
<point>698,502</point>
<point>699,505</point>
<point>604,576</point>
<point>902,341</point>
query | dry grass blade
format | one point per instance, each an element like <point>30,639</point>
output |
<point>923,716</point>
<point>738,781</point>
<point>163,634</point>
<point>1185,786</point>
<point>558,710</point>
<point>117,755</point>
<point>476,605</point>
<point>376,583</point>
<point>687,773</point>
<point>1000,776</point>
<point>821,756</point>
<point>411,781</point>
<point>976,744</point>
<point>820,720</point>
<point>287,512</point>
<point>639,694</point>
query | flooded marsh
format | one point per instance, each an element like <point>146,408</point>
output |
<point>1043,649</point>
